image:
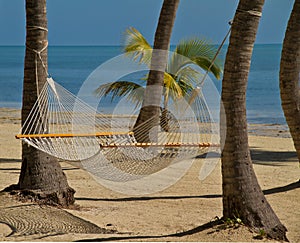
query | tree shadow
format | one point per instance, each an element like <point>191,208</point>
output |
<point>8,160</point>
<point>8,169</point>
<point>12,160</point>
<point>288,187</point>
<point>73,168</point>
<point>261,156</point>
<point>211,154</point>
<point>285,188</point>
<point>198,229</point>
<point>148,198</point>
<point>265,157</point>
<point>195,230</point>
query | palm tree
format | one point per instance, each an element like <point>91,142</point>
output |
<point>242,195</point>
<point>153,92</point>
<point>289,75</point>
<point>180,77</point>
<point>41,175</point>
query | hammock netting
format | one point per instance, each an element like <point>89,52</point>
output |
<point>64,126</point>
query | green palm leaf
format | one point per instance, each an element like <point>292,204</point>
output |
<point>206,64</point>
<point>188,78</point>
<point>172,87</point>
<point>201,52</point>
<point>136,46</point>
<point>181,75</point>
<point>132,91</point>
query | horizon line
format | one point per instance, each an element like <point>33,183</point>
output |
<point>110,45</point>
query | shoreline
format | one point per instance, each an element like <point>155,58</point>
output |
<point>12,115</point>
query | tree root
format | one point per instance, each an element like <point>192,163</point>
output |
<point>62,198</point>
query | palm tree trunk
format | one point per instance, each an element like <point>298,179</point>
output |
<point>242,195</point>
<point>289,75</point>
<point>41,175</point>
<point>153,93</point>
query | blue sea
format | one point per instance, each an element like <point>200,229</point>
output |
<point>71,65</point>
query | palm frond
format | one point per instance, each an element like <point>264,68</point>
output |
<point>132,91</point>
<point>173,88</point>
<point>181,74</point>
<point>201,52</point>
<point>194,47</point>
<point>205,64</point>
<point>177,62</point>
<point>189,77</point>
<point>136,46</point>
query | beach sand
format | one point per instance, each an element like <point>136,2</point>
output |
<point>178,213</point>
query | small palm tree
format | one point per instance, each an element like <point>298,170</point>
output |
<point>181,74</point>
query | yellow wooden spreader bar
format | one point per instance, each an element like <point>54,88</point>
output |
<point>115,145</point>
<point>169,145</point>
<point>68,135</point>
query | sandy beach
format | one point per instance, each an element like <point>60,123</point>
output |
<point>181,212</point>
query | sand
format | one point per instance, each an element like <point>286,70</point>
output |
<point>178,213</point>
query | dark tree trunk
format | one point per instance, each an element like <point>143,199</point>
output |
<point>242,195</point>
<point>41,174</point>
<point>153,93</point>
<point>289,75</point>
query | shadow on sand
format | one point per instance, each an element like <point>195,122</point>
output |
<point>289,187</point>
<point>195,230</point>
<point>9,160</point>
<point>266,157</point>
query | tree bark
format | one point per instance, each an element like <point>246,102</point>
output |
<point>242,195</point>
<point>41,175</point>
<point>153,92</point>
<point>289,75</point>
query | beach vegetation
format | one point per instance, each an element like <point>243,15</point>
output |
<point>232,222</point>
<point>260,235</point>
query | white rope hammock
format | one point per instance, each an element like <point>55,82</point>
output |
<point>63,126</point>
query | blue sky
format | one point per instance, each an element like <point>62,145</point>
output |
<point>102,22</point>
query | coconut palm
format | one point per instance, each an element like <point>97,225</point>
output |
<point>41,174</point>
<point>152,96</point>
<point>181,74</point>
<point>289,75</point>
<point>242,195</point>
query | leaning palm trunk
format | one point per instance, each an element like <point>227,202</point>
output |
<point>242,195</point>
<point>41,175</point>
<point>289,75</point>
<point>153,93</point>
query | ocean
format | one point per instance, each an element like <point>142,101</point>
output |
<point>71,65</point>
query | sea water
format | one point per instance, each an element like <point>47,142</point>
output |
<point>70,66</point>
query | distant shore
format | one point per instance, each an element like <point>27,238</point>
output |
<point>11,115</point>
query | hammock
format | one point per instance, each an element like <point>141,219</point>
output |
<point>64,126</point>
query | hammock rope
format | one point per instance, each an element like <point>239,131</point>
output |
<point>68,128</point>
<point>64,126</point>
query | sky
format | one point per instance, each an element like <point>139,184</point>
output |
<point>102,22</point>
